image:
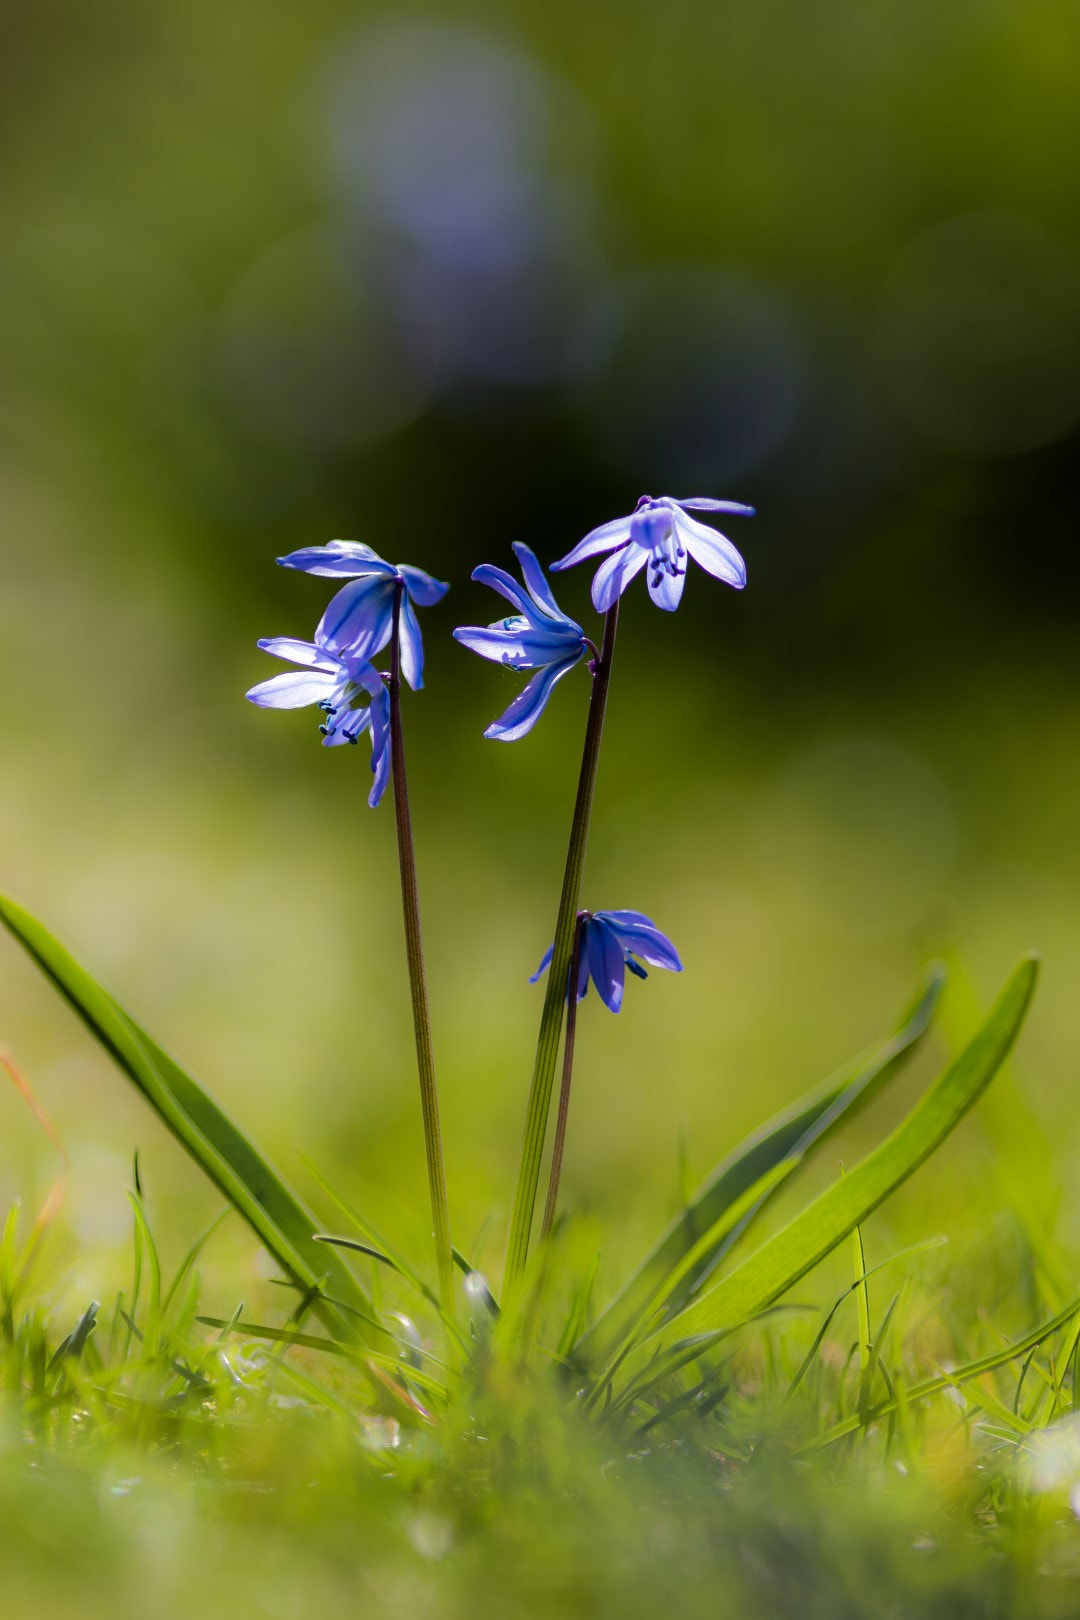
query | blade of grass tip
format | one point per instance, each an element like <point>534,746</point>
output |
<point>384,1248</point>
<point>866,1382</point>
<point>191,1257</point>
<point>131,1314</point>
<point>862,1300</point>
<point>799,1246</point>
<point>579,1307</point>
<point>791,1134</point>
<point>952,1379</point>
<point>808,1359</point>
<point>224,1153</point>
<point>153,1313</point>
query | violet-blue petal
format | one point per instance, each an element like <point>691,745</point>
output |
<point>607,963</point>
<point>422,588</point>
<point>597,540</point>
<point>341,559</point>
<point>706,503</point>
<point>412,645</point>
<point>712,551</point>
<point>639,934</point>
<point>535,580</point>
<point>499,580</point>
<point>615,574</point>
<point>293,690</point>
<point>545,963</point>
<point>666,589</point>
<point>514,643</point>
<point>529,704</point>
<point>299,652</point>
<point>380,745</point>
<point>359,618</point>
<point>345,726</point>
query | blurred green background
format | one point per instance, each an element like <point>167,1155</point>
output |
<point>439,280</point>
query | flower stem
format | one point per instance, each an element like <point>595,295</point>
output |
<point>414,951</point>
<point>564,1091</point>
<point>547,1046</point>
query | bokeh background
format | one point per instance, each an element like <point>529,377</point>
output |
<point>442,279</point>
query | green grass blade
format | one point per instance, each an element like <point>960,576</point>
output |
<point>950,1380</point>
<point>795,1250</point>
<point>219,1147</point>
<point>789,1135</point>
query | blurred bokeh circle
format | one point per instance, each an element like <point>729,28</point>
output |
<point>979,335</point>
<point>697,374</point>
<point>305,350</point>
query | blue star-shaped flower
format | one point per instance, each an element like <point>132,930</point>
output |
<point>611,942</point>
<point>344,686</point>
<point>538,636</point>
<point>360,618</point>
<point>662,534</point>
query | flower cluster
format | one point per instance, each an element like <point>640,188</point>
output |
<point>337,674</point>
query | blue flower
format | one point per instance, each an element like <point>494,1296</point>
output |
<point>538,636</point>
<point>339,684</point>
<point>360,617</point>
<point>661,533</point>
<point>611,942</point>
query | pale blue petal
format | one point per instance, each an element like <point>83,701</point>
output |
<point>604,538</point>
<point>519,649</point>
<point>341,559</point>
<point>535,580</point>
<point>345,727</point>
<point>712,551</point>
<point>529,704</point>
<point>666,590</point>
<point>412,646</point>
<point>705,503</point>
<point>363,673</point>
<point>293,690</point>
<point>499,580</point>
<point>299,652</point>
<point>358,620</point>
<point>614,575</point>
<point>424,590</point>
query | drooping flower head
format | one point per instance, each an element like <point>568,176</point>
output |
<point>538,636</point>
<point>611,942</point>
<point>346,687</point>
<point>360,618</point>
<point>661,534</point>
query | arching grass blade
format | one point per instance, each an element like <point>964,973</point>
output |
<point>275,1213</point>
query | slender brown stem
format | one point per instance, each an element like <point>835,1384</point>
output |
<point>547,1045</point>
<point>414,951</point>
<point>563,1115</point>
